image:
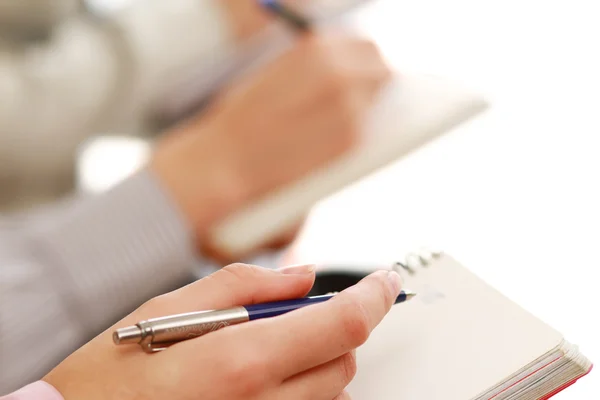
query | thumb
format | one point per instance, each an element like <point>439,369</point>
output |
<point>234,285</point>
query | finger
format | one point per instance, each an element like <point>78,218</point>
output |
<point>311,336</point>
<point>366,64</point>
<point>234,285</point>
<point>328,59</point>
<point>343,396</point>
<point>361,57</point>
<point>323,382</point>
<point>374,75</point>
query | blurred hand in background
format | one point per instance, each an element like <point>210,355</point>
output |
<point>271,128</point>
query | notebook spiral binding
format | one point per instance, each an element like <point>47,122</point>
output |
<point>414,261</point>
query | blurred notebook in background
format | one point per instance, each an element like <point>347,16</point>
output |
<point>460,339</point>
<point>412,110</point>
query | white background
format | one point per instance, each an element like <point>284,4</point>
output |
<point>513,195</point>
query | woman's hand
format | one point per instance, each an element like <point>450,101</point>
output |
<point>247,17</point>
<point>270,128</point>
<point>305,354</point>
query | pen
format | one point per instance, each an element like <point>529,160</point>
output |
<point>158,333</point>
<point>284,12</point>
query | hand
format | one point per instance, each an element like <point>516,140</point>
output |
<point>305,354</point>
<point>271,128</point>
<point>247,17</point>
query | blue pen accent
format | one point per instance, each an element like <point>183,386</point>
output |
<point>288,15</point>
<point>157,334</point>
<point>267,3</point>
<point>268,310</point>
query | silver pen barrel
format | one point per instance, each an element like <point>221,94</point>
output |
<point>158,333</point>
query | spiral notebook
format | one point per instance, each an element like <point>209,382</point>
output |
<point>460,339</point>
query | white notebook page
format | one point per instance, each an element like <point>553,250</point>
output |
<point>410,111</point>
<point>456,339</point>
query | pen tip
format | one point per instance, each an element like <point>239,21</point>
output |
<point>409,294</point>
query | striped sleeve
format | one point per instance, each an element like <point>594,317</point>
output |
<point>72,270</point>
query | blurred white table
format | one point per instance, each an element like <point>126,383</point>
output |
<point>513,195</point>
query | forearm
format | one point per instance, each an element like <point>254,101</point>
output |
<point>70,271</point>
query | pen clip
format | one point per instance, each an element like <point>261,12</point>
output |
<point>149,347</point>
<point>147,343</point>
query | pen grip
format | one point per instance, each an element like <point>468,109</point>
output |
<point>268,310</point>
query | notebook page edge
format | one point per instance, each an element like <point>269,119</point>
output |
<point>522,375</point>
<point>456,275</point>
<point>549,381</point>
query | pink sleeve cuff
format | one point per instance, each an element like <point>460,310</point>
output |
<point>36,391</point>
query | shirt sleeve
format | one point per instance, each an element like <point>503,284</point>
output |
<point>39,390</point>
<point>73,269</point>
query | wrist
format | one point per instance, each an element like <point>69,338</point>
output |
<point>197,171</point>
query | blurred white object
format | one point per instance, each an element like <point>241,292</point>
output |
<point>105,161</point>
<point>102,7</point>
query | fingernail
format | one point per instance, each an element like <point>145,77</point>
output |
<point>298,269</point>
<point>395,282</point>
